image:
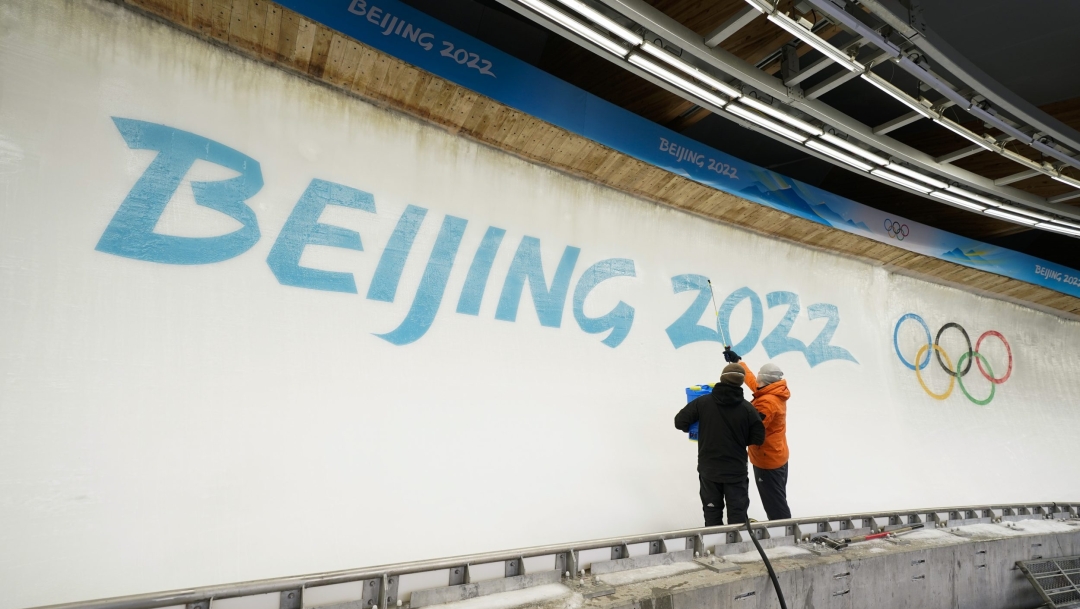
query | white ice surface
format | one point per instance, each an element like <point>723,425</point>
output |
<point>640,575</point>
<point>1020,527</point>
<point>986,530</point>
<point>519,598</point>
<point>777,552</point>
<point>930,536</point>
<point>1045,526</point>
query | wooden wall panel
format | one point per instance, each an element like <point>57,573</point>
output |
<point>268,32</point>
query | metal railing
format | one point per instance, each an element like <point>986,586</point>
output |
<point>381,582</point>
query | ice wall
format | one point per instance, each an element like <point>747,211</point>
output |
<point>168,421</point>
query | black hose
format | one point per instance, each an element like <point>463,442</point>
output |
<point>768,565</point>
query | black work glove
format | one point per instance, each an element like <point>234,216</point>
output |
<point>730,356</point>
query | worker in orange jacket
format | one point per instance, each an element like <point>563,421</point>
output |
<point>770,460</point>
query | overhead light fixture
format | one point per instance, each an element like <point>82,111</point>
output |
<point>929,78</point>
<point>686,68</point>
<point>815,41</point>
<point>761,5</point>
<point>998,122</point>
<point>1026,162</point>
<point>603,21</point>
<point>1064,179</point>
<point>764,108</point>
<point>678,81</point>
<point>848,20</point>
<point>1058,229</point>
<point>897,94</point>
<point>892,177</point>
<point>964,133</point>
<point>1010,217</point>
<point>1066,223</point>
<point>1026,212</point>
<point>761,121</point>
<point>840,156</point>
<point>576,27</point>
<point>846,145</point>
<point>1054,152</point>
<point>936,183</point>
<point>974,195</point>
<point>957,201</point>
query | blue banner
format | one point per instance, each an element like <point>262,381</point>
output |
<point>414,37</point>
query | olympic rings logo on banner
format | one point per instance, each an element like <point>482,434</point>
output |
<point>896,230</point>
<point>963,365</point>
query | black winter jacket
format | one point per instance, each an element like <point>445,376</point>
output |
<point>727,424</point>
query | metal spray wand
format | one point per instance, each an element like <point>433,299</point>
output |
<point>716,311</point>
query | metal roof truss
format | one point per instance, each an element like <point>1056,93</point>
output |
<point>639,38</point>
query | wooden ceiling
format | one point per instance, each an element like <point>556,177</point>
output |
<point>759,41</point>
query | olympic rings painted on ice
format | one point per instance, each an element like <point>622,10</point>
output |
<point>1008,349</point>
<point>937,340</point>
<point>952,379</point>
<point>982,360</point>
<point>963,365</point>
<point>896,230</point>
<point>896,345</point>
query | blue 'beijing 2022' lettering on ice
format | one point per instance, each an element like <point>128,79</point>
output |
<point>131,234</point>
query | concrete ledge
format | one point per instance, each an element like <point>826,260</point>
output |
<point>641,562</point>
<point>967,567</point>
<point>436,596</point>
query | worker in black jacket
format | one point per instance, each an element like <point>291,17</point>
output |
<point>727,424</point>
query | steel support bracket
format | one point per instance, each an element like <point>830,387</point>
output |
<point>514,567</point>
<point>459,575</point>
<point>794,530</point>
<point>620,551</point>
<point>389,587</point>
<point>789,62</point>
<point>697,544</point>
<point>372,593</point>
<point>566,562</point>
<point>291,599</point>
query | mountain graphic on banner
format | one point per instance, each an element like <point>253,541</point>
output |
<point>788,199</point>
<point>971,255</point>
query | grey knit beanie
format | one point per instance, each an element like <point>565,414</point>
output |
<point>769,374</point>
<point>732,375</point>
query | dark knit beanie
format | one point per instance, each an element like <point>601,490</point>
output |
<point>732,375</point>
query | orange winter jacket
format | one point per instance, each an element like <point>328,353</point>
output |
<point>771,402</point>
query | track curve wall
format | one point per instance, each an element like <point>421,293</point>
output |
<point>255,327</point>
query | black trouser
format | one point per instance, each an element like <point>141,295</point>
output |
<point>713,495</point>
<point>772,486</point>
